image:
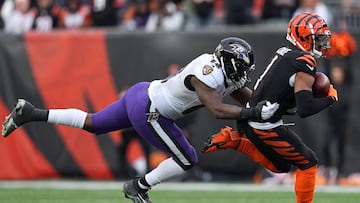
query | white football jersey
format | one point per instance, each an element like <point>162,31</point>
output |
<point>174,96</point>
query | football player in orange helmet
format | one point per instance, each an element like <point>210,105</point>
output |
<point>309,33</point>
<point>287,81</point>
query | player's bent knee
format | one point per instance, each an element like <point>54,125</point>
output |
<point>285,168</point>
<point>193,162</point>
<point>186,166</point>
<point>312,160</point>
<point>189,161</point>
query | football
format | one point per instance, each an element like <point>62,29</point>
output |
<point>321,85</point>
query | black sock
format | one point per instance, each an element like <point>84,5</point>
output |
<point>143,182</point>
<point>40,114</point>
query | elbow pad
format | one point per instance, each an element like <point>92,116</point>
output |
<point>307,105</point>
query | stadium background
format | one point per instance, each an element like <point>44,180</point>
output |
<point>86,69</point>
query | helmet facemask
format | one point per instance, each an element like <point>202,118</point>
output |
<point>237,60</point>
<point>232,74</point>
<point>235,72</point>
<point>321,44</point>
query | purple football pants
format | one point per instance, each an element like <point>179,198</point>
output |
<point>135,110</point>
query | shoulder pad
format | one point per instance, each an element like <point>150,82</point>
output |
<point>307,58</point>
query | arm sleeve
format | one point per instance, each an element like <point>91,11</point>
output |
<point>307,105</point>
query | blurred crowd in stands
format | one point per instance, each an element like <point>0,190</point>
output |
<point>19,16</point>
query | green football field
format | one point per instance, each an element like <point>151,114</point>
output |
<point>196,193</point>
<point>114,196</point>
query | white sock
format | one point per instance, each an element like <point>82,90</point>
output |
<point>70,117</point>
<point>165,170</point>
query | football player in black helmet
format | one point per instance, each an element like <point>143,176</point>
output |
<point>152,108</point>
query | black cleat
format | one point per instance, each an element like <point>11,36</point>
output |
<point>135,193</point>
<point>21,114</point>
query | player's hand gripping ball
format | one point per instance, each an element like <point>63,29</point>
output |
<point>321,85</point>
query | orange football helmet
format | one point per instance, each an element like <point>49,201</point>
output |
<point>310,33</point>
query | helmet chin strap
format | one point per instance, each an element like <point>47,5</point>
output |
<point>316,53</point>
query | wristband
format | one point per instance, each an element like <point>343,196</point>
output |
<point>250,114</point>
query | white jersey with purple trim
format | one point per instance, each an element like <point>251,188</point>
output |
<point>175,96</point>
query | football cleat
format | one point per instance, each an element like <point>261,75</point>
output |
<point>132,191</point>
<point>19,115</point>
<point>227,138</point>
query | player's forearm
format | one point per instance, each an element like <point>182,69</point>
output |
<point>307,105</point>
<point>227,111</point>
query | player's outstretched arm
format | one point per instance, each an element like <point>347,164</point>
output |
<point>213,101</point>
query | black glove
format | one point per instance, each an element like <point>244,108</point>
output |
<point>253,113</point>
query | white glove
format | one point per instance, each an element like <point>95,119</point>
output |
<point>268,110</point>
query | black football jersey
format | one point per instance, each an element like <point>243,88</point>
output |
<point>276,83</point>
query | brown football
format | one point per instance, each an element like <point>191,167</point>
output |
<point>321,85</point>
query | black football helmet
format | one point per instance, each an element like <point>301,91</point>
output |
<point>237,60</point>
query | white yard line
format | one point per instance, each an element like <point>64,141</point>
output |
<point>196,186</point>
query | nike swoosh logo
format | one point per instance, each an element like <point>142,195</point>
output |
<point>310,67</point>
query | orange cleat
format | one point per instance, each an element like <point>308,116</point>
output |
<point>225,139</point>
